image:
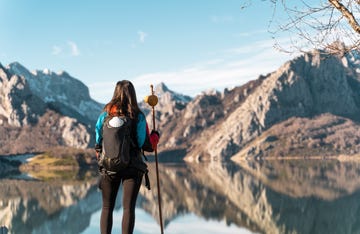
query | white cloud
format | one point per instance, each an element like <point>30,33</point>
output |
<point>221,19</point>
<point>56,50</point>
<point>190,223</point>
<point>186,223</point>
<point>233,67</point>
<point>142,36</point>
<point>225,69</point>
<point>194,81</point>
<point>215,61</point>
<point>252,48</point>
<point>102,91</point>
<point>73,48</point>
<point>3,55</point>
<point>250,33</point>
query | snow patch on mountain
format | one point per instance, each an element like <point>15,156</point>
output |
<point>59,88</point>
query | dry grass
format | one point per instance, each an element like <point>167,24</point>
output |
<point>59,163</point>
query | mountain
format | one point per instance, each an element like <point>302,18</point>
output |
<point>42,109</point>
<point>309,106</point>
<point>60,91</point>
<point>169,103</point>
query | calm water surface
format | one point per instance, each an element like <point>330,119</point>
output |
<point>298,196</point>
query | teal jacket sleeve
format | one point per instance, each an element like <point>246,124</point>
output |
<point>98,128</point>
<point>141,130</point>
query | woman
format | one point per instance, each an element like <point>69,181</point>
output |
<point>123,103</point>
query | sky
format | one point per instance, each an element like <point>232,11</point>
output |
<point>191,46</point>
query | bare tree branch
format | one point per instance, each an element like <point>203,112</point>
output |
<point>347,14</point>
<point>320,24</point>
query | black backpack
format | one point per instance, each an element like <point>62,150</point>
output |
<point>117,143</point>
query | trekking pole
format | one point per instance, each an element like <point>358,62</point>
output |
<point>152,100</point>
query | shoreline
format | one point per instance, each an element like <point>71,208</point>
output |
<point>341,158</point>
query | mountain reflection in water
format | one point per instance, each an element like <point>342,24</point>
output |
<point>298,196</point>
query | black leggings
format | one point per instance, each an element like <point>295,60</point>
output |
<point>131,181</point>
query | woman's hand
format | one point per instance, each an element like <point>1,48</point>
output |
<point>154,139</point>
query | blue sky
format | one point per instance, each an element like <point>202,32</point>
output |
<point>191,46</point>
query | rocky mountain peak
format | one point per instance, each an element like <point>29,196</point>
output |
<point>169,103</point>
<point>65,94</point>
<point>305,87</point>
<point>30,102</point>
<point>161,88</point>
<point>17,68</point>
<point>168,96</point>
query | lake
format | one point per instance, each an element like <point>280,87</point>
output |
<point>290,196</point>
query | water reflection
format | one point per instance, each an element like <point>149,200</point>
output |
<point>299,196</point>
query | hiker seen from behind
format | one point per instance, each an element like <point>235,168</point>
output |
<point>121,135</point>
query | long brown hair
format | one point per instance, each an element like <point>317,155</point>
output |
<point>124,100</point>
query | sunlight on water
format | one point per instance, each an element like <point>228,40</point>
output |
<point>145,224</point>
<point>194,224</point>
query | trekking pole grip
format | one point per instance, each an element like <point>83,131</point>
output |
<point>152,100</point>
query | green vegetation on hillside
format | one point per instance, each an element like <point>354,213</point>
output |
<point>61,163</point>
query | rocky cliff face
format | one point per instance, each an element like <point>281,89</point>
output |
<point>43,109</point>
<point>305,87</point>
<point>170,105</point>
<point>219,125</point>
<point>60,91</point>
<point>278,110</point>
<point>18,105</point>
